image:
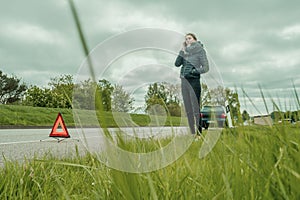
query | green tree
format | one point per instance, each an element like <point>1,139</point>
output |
<point>121,100</point>
<point>105,90</point>
<point>62,89</point>
<point>205,95</point>
<point>234,105</point>
<point>174,109</point>
<point>84,95</point>
<point>245,116</point>
<point>295,116</point>
<point>11,90</point>
<point>59,94</point>
<point>277,116</point>
<point>163,97</point>
<point>156,96</point>
<point>173,104</point>
<point>38,97</point>
<point>218,96</point>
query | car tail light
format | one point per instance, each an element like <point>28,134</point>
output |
<point>201,115</point>
<point>223,115</point>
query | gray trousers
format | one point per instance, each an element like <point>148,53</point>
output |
<point>191,93</point>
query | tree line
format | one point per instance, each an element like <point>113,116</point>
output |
<point>161,97</point>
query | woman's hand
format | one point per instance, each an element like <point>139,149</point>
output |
<point>183,46</point>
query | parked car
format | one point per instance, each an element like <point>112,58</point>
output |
<point>212,115</point>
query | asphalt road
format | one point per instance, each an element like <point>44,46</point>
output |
<point>18,144</point>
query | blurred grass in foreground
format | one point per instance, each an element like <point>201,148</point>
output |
<point>251,162</point>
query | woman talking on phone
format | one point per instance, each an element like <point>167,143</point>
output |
<point>193,61</point>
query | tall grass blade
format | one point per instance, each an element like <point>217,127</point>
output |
<point>227,185</point>
<point>253,104</point>
<point>82,39</point>
<point>264,99</point>
<point>296,97</point>
<point>98,99</point>
<point>152,189</point>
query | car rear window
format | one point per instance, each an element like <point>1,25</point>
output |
<point>213,108</point>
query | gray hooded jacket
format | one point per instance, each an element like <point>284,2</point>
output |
<point>193,60</point>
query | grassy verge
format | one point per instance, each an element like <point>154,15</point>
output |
<point>246,163</point>
<point>13,115</point>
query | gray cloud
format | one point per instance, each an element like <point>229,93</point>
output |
<point>251,42</point>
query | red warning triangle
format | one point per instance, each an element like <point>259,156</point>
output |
<point>59,121</point>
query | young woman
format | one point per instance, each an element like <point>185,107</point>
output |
<point>193,61</point>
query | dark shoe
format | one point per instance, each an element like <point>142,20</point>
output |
<point>199,130</point>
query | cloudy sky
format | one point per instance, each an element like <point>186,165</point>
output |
<point>251,43</point>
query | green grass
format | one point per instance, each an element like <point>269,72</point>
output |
<point>32,116</point>
<point>247,163</point>
<point>15,115</point>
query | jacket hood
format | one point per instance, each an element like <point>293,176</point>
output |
<point>200,43</point>
<point>195,47</point>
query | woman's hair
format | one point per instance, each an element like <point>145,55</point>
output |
<point>192,34</point>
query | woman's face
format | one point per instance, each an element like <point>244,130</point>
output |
<point>189,39</point>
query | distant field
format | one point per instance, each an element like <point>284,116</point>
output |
<point>36,116</point>
<point>254,162</point>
